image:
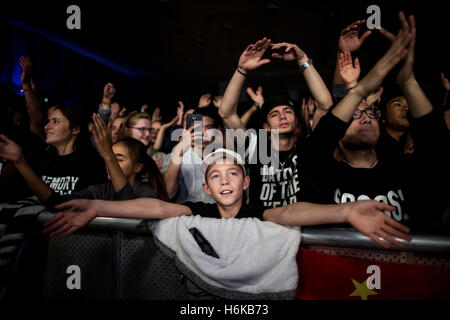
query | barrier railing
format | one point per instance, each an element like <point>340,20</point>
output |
<point>310,236</point>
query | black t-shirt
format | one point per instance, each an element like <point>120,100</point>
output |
<point>104,192</point>
<point>407,182</point>
<point>210,210</point>
<point>70,173</point>
<point>273,188</point>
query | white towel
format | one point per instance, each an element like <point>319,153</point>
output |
<point>255,257</point>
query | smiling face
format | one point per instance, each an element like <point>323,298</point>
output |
<point>141,131</point>
<point>225,182</point>
<point>397,113</point>
<point>281,118</point>
<point>57,130</point>
<point>362,133</point>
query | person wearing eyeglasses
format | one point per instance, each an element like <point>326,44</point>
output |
<point>138,125</point>
<point>356,171</point>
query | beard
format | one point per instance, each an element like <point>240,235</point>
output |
<point>358,143</point>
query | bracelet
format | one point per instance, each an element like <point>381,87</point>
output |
<point>106,101</point>
<point>244,74</point>
<point>304,66</point>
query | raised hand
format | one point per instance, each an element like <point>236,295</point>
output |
<point>217,100</point>
<point>204,100</point>
<point>109,91</point>
<point>122,112</point>
<point>368,217</point>
<point>171,123</point>
<point>406,73</point>
<point>256,96</point>
<point>348,40</point>
<point>186,141</point>
<point>27,67</point>
<point>75,214</point>
<point>102,137</point>
<point>391,58</point>
<point>10,150</point>
<point>348,72</point>
<point>144,107</point>
<point>156,117</point>
<point>445,82</point>
<point>387,34</point>
<point>251,58</point>
<point>374,96</point>
<point>289,52</point>
<point>180,113</point>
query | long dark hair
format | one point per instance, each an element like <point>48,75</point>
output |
<point>150,172</point>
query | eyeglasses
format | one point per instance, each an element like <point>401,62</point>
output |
<point>372,113</point>
<point>142,129</point>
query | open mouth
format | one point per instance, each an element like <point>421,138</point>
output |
<point>226,192</point>
<point>284,125</point>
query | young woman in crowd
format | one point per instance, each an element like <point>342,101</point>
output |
<point>71,163</point>
<point>138,125</point>
<point>73,168</point>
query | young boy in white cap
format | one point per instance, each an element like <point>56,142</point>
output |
<point>225,181</point>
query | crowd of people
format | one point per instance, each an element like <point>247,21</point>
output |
<point>353,153</point>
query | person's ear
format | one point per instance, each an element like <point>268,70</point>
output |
<point>266,126</point>
<point>206,189</point>
<point>75,131</point>
<point>246,182</point>
<point>138,167</point>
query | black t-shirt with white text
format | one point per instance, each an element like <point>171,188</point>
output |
<point>410,183</point>
<point>69,173</point>
<point>273,187</point>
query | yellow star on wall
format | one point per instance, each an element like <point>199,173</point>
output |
<point>361,290</point>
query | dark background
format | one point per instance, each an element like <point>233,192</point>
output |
<point>160,51</point>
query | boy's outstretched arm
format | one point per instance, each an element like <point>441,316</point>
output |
<point>77,213</point>
<point>366,216</point>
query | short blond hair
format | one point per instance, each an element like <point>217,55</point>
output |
<point>129,121</point>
